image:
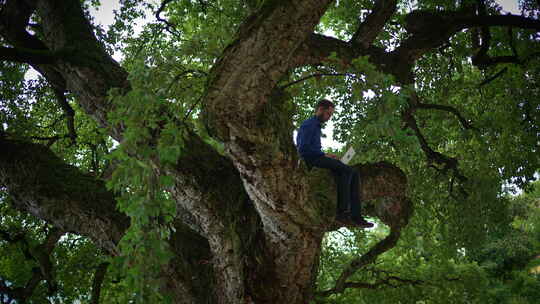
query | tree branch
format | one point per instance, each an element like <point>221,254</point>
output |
<point>69,113</point>
<point>463,121</point>
<point>92,83</point>
<point>311,76</point>
<point>317,48</point>
<point>41,184</point>
<point>374,23</point>
<point>426,31</point>
<point>512,42</point>
<point>381,247</point>
<point>448,162</point>
<point>169,27</point>
<point>99,275</point>
<point>482,59</point>
<point>27,56</point>
<point>481,56</point>
<point>40,254</point>
<point>383,283</point>
<point>44,186</point>
<point>429,29</point>
<point>490,79</point>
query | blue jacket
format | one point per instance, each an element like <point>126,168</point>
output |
<point>308,139</point>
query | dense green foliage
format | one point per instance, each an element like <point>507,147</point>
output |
<point>469,241</point>
<point>421,269</point>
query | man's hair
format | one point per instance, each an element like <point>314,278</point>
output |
<point>325,104</point>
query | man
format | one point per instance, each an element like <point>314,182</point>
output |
<point>308,141</point>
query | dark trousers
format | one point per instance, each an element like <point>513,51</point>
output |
<point>347,184</point>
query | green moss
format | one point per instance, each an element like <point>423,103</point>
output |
<point>275,120</point>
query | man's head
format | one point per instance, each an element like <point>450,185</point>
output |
<point>324,110</point>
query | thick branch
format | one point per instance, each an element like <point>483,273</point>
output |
<point>65,32</point>
<point>374,23</point>
<point>43,185</point>
<point>168,26</point>
<point>27,56</point>
<point>447,162</point>
<point>317,48</point>
<point>429,29</point>
<point>14,18</point>
<point>500,20</point>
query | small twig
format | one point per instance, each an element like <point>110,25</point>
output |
<point>451,186</point>
<point>463,121</point>
<point>512,44</point>
<point>369,257</point>
<point>491,78</point>
<point>204,6</point>
<point>314,75</point>
<point>69,112</point>
<point>57,120</point>
<point>180,75</point>
<point>192,108</point>
<point>51,140</point>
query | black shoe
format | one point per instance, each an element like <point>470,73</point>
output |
<point>362,223</point>
<point>344,219</point>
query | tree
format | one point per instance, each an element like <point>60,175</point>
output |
<point>207,200</point>
<point>509,257</point>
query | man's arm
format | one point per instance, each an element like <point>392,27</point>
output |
<point>307,141</point>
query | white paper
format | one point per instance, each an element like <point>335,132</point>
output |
<point>348,156</point>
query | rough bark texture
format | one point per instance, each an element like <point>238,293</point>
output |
<point>256,214</point>
<point>43,185</point>
<point>240,110</point>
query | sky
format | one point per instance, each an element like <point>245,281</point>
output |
<point>510,6</point>
<point>105,14</point>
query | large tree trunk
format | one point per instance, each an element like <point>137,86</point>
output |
<point>255,213</point>
<point>242,267</point>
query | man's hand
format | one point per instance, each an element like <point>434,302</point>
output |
<point>331,156</point>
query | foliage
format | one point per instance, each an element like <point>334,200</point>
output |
<point>473,248</point>
<point>422,270</point>
<point>74,258</point>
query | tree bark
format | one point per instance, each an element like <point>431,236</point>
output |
<point>250,223</point>
<point>260,230</point>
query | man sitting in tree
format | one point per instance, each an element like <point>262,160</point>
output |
<point>308,141</point>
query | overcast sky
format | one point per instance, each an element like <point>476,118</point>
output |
<point>105,16</point>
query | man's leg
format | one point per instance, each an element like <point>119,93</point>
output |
<point>355,196</point>
<point>347,181</point>
<point>343,175</point>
